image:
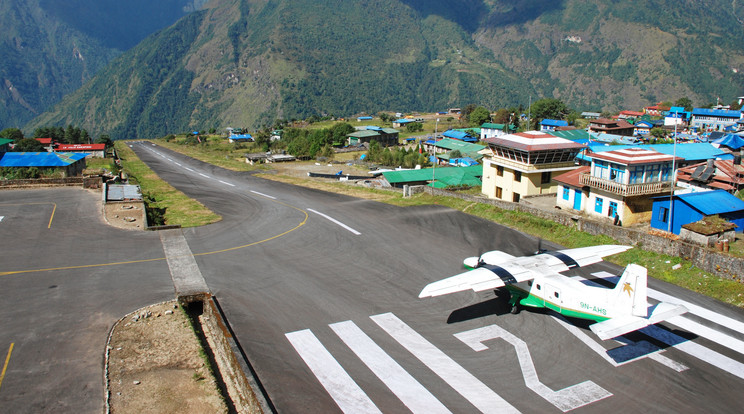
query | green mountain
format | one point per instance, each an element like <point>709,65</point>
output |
<point>248,62</point>
<point>49,48</point>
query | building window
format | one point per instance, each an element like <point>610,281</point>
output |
<point>598,205</point>
<point>515,197</point>
<point>499,192</point>
<point>545,178</point>
<point>565,193</point>
<point>517,175</point>
<point>500,170</point>
<point>663,214</point>
<point>612,211</point>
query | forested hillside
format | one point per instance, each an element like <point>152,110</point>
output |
<point>49,48</point>
<point>248,62</point>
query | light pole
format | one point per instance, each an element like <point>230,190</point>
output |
<point>674,173</point>
<point>434,152</point>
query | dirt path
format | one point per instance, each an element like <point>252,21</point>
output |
<point>155,364</point>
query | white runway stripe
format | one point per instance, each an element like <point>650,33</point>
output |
<point>342,388</point>
<point>204,175</point>
<point>470,387</point>
<point>329,218</point>
<point>226,183</point>
<point>417,398</point>
<point>263,195</point>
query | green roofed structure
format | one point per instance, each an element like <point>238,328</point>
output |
<point>384,136</point>
<point>442,177</point>
<point>572,134</point>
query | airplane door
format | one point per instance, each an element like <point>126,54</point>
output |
<point>553,299</point>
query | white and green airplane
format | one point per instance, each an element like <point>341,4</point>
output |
<point>535,281</point>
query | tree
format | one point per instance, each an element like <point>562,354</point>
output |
<point>414,127</point>
<point>479,116</point>
<point>12,133</point>
<point>465,112</point>
<point>735,105</point>
<point>105,139</point>
<point>549,108</point>
<point>28,145</point>
<point>502,116</point>
<point>684,102</point>
<point>658,132</point>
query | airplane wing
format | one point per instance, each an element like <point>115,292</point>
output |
<point>520,269</point>
<point>615,327</point>
<point>486,277</point>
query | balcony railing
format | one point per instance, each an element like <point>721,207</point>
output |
<point>625,190</point>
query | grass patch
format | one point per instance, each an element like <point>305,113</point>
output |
<point>100,163</point>
<point>217,151</point>
<point>179,208</point>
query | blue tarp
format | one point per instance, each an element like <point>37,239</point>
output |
<point>463,162</point>
<point>731,141</point>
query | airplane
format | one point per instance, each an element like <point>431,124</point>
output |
<point>535,281</point>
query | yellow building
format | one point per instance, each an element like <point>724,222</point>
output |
<point>522,164</point>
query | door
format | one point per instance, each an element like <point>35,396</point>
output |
<point>577,200</point>
<point>553,298</point>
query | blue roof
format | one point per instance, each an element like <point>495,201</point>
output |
<point>646,123</point>
<point>553,122</point>
<point>364,118</point>
<point>404,121</point>
<point>374,128</point>
<point>241,136</point>
<point>732,141</point>
<point>462,136</point>
<point>40,159</point>
<point>716,112</point>
<point>697,151</point>
<point>710,202</point>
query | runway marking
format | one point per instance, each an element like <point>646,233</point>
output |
<point>1,218</point>
<point>566,399</point>
<point>417,398</point>
<point>470,387</point>
<point>204,175</point>
<point>263,195</point>
<point>5,366</point>
<point>188,169</point>
<point>54,209</point>
<point>336,221</point>
<point>690,325</point>
<point>178,164</point>
<point>226,183</point>
<point>625,354</point>
<point>342,388</point>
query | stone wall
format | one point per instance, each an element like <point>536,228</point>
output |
<point>42,182</point>
<point>720,264</point>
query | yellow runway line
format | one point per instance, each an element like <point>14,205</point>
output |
<point>5,366</point>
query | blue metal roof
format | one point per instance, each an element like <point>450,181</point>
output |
<point>697,151</point>
<point>716,112</point>
<point>404,121</point>
<point>462,136</point>
<point>40,159</point>
<point>710,202</point>
<point>553,122</point>
<point>374,128</point>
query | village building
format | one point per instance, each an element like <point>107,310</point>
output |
<point>611,126</point>
<point>386,137</point>
<point>704,119</point>
<point>713,174</point>
<point>522,164</point>
<point>94,150</point>
<point>70,164</point>
<point>552,124</point>
<point>618,185</point>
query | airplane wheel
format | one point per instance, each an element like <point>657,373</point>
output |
<point>515,309</point>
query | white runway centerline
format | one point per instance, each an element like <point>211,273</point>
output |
<point>335,221</point>
<point>263,195</point>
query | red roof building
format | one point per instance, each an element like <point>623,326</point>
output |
<point>629,114</point>
<point>96,150</point>
<point>611,126</point>
<point>714,174</point>
<point>656,110</point>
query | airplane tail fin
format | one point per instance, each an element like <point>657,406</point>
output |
<point>630,293</point>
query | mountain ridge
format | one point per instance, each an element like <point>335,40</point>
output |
<point>247,63</point>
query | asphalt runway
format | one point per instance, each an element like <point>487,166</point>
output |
<point>329,316</point>
<point>58,320</point>
<point>321,291</point>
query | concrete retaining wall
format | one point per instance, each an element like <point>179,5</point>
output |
<point>42,182</point>
<point>244,390</point>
